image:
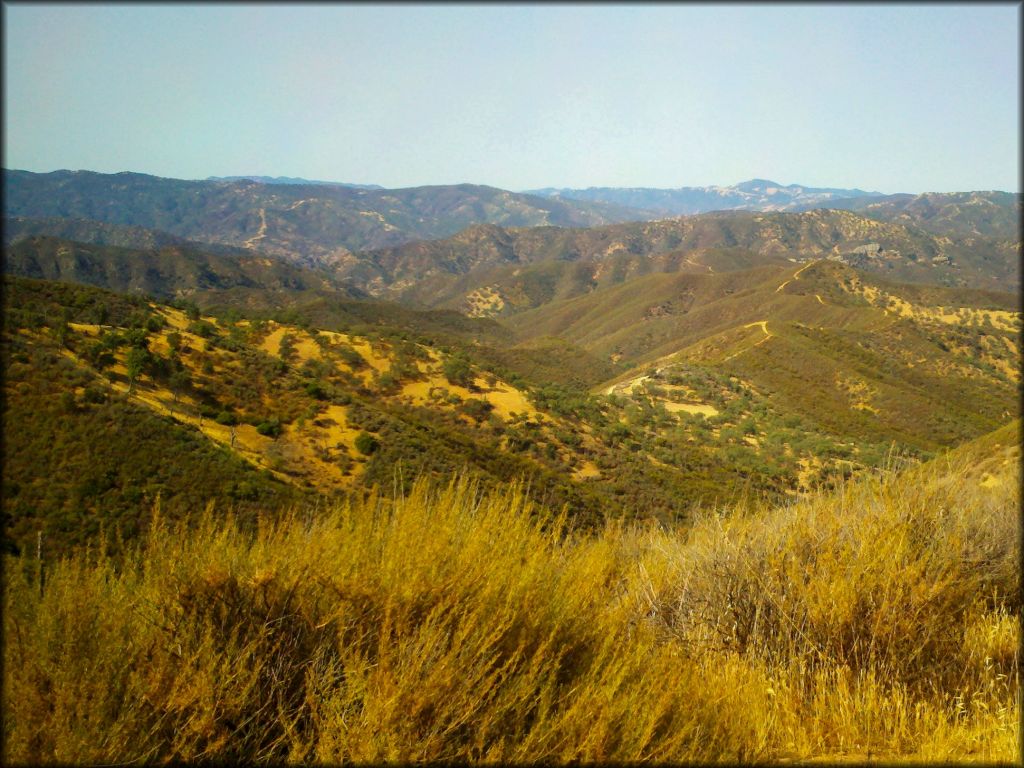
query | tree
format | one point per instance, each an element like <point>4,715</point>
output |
<point>457,371</point>
<point>286,349</point>
<point>270,427</point>
<point>180,379</point>
<point>135,362</point>
<point>366,443</point>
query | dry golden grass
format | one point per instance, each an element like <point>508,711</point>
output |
<point>881,622</point>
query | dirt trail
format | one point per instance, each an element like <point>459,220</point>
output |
<point>767,335</point>
<point>796,275</point>
<point>261,233</point>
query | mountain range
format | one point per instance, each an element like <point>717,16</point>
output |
<point>312,224</point>
<point>292,180</point>
<point>753,195</point>
<point>438,246</point>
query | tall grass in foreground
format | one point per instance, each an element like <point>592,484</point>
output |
<point>881,620</point>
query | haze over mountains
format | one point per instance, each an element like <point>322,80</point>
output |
<point>420,243</point>
<point>292,180</point>
<point>315,224</point>
<point>753,195</point>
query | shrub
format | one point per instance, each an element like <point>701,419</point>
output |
<point>269,428</point>
<point>366,443</point>
<point>226,418</point>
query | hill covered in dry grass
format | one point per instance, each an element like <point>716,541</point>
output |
<point>880,621</point>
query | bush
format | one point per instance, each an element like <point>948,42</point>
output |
<point>366,443</point>
<point>269,428</point>
<point>457,370</point>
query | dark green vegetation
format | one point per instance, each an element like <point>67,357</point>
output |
<point>311,224</point>
<point>77,455</point>
<point>74,431</point>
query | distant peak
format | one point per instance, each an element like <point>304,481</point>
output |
<point>757,185</point>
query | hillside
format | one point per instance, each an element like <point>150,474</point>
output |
<point>877,623</point>
<point>236,280</point>
<point>318,411</point>
<point>924,366</point>
<point>960,214</point>
<point>313,224</point>
<point>497,270</point>
<point>355,401</point>
<point>18,228</point>
<point>753,195</point>
<point>167,271</point>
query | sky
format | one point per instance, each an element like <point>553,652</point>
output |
<point>890,98</point>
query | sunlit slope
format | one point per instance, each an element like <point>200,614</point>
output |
<point>878,622</point>
<point>858,356</point>
<point>328,411</point>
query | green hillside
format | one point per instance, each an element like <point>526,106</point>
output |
<point>319,411</point>
<point>859,358</point>
<point>696,403</point>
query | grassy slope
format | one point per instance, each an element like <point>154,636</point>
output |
<point>879,622</point>
<point>704,428</point>
<point>884,361</point>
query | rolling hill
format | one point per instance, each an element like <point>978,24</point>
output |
<point>961,214</point>
<point>699,390</point>
<point>497,270</point>
<point>857,356</point>
<point>292,413</point>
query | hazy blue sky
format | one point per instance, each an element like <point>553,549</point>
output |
<point>891,98</point>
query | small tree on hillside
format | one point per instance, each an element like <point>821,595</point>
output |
<point>135,361</point>
<point>457,371</point>
<point>366,443</point>
<point>179,380</point>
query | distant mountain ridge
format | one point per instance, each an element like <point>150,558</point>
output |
<point>292,180</point>
<point>967,214</point>
<point>752,195</point>
<point>309,224</point>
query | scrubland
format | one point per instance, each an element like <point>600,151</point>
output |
<point>877,621</point>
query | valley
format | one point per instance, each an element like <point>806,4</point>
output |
<point>511,384</point>
<point>666,392</point>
